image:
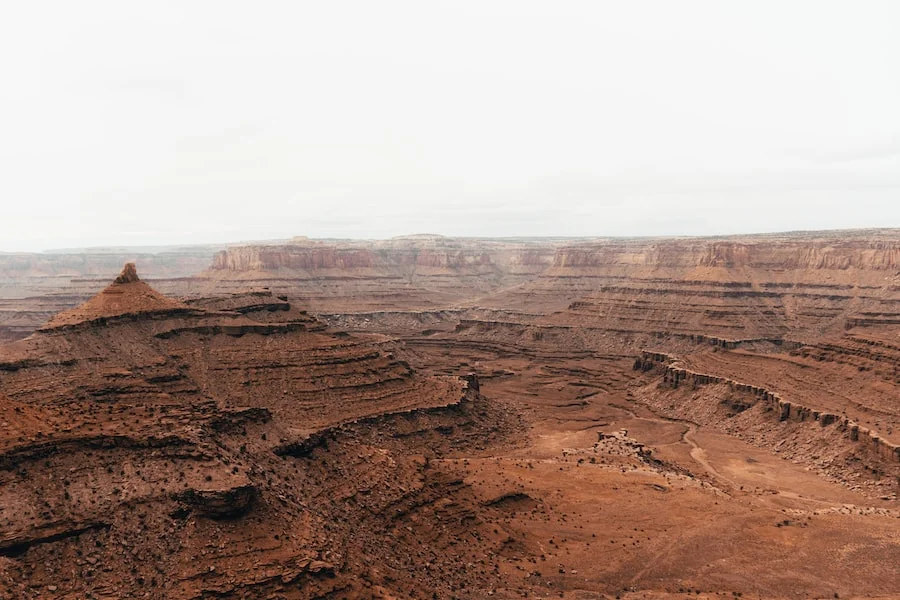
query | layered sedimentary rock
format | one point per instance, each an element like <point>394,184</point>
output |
<point>406,255</point>
<point>801,254</point>
<point>810,317</point>
<point>762,287</point>
<point>140,450</point>
<point>870,441</point>
<point>650,418</point>
<point>414,271</point>
<point>36,286</point>
<point>817,313</point>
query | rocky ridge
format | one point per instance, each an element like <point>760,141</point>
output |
<point>146,453</point>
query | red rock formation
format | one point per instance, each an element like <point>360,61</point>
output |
<point>35,287</point>
<point>675,376</point>
<point>878,253</point>
<point>233,445</point>
<point>138,428</point>
<point>300,258</point>
<point>126,296</point>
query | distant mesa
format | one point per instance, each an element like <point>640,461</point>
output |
<point>126,295</point>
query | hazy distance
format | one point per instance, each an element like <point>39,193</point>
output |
<point>175,122</point>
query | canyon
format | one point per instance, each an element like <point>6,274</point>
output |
<point>434,417</point>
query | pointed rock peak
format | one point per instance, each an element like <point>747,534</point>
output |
<point>126,295</point>
<point>128,274</point>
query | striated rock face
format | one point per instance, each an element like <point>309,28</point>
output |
<point>276,258</point>
<point>127,296</point>
<point>220,503</point>
<point>773,288</point>
<point>463,419</point>
<point>139,452</point>
<point>384,257</point>
<point>772,402</point>
<point>759,252</point>
<point>449,259</point>
<point>414,271</point>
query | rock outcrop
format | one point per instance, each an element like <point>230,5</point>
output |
<point>299,422</point>
<point>675,375</point>
<point>127,296</point>
<point>140,449</point>
<point>863,251</point>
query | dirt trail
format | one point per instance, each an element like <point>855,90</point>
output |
<point>697,452</point>
<point>699,455</point>
<point>729,485</point>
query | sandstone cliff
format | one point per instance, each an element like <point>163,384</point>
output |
<point>860,257</point>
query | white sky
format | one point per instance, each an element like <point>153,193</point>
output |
<point>174,122</point>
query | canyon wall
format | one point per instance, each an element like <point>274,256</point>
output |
<point>786,286</point>
<point>675,376</point>
<point>317,423</point>
<point>277,258</point>
<point>791,287</point>
<point>852,253</point>
<point>408,255</point>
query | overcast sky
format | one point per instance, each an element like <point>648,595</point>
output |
<point>173,122</point>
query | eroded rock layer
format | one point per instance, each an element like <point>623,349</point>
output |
<point>142,452</point>
<point>650,418</point>
<point>36,286</point>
